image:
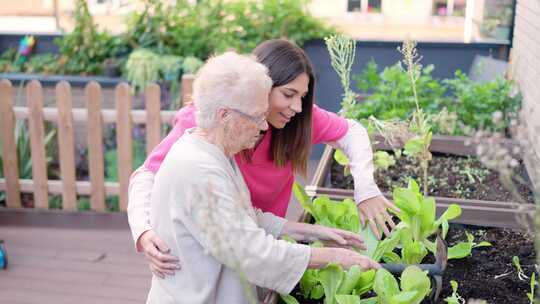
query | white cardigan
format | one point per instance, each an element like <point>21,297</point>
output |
<point>201,208</point>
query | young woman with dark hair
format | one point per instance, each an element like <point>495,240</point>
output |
<point>295,123</point>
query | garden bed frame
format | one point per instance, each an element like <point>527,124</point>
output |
<point>474,212</point>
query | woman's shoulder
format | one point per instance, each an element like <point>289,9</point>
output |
<point>186,115</point>
<point>327,126</point>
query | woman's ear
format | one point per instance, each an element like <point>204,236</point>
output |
<point>223,115</point>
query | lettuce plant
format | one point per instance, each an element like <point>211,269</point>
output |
<point>417,222</point>
<point>414,286</point>
<point>454,298</point>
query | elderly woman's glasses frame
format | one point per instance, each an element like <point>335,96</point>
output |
<point>259,120</point>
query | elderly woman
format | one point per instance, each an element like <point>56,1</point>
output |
<point>201,204</point>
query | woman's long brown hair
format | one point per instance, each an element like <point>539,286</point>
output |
<point>285,61</point>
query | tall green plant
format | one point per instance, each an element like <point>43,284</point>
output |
<point>418,146</point>
<point>342,51</point>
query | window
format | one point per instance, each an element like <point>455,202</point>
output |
<point>364,6</point>
<point>374,6</point>
<point>449,7</point>
<point>353,5</point>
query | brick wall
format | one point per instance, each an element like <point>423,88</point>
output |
<point>525,70</point>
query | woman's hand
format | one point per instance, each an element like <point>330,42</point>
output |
<point>320,257</point>
<point>331,237</point>
<point>373,211</point>
<point>156,251</point>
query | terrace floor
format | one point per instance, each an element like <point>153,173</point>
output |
<point>71,265</point>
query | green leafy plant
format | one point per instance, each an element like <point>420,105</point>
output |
<point>454,298</point>
<point>210,26</point>
<point>335,284</point>
<point>83,50</point>
<point>520,273</point>
<point>417,222</point>
<point>457,106</point>
<point>391,92</point>
<point>191,65</point>
<point>342,51</point>
<point>474,103</point>
<point>530,295</point>
<point>464,249</point>
<point>142,68</point>
<point>523,277</point>
<point>43,63</point>
<point>414,286</point>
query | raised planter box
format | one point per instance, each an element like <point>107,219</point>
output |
<point>475,212</point>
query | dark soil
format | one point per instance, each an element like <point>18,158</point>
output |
<point>488,273</point>
<point>448,176</point>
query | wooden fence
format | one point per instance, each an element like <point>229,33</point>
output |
<point>64,116</point>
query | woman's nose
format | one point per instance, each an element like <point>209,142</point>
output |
<point>296,105</point>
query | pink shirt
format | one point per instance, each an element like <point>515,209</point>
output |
<point>270,186</point>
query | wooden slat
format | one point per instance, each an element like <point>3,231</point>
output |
<point>124,141</point>
<point>66,146</point>
<point>9,148</point>
<point>153,118</point>
<point>187,88</point>
<point>95,146</point>
<point>81,115</point>
<point>56,187</point>
<point>34,93</point>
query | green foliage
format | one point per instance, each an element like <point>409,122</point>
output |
<point>111,160</point>
<point>464,249</point>
<point>392,95</point>
<point>343,215</point>
<point>532,284</point>
<point>414,286</point>
<point>343,160</point>
<point>342,51</point>
<point>84,49</point>
<point>474,103</point>
<point>43,63</point>
<point>417,222</point>
<point>383,160</point>
<point>336,285</point>
<point>144,67</point>
<point>456,106</point>
<point>454,298</point>
<point>213,26</point>
<point>191,65</point>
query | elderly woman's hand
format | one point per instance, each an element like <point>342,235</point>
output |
<point>320,257</point>
<point>331,237</point>
<point>156,252</point>
<point>374,212</point>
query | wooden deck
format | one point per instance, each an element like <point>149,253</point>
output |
<point>74,264</point>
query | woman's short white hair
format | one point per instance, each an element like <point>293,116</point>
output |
<point>228,80</point>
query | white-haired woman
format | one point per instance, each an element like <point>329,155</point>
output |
<point>201,205</point>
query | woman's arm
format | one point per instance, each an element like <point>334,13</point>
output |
<point>301,232</point>
<point>146,240</point>
<point>372,205</point>
<point>140,187</point>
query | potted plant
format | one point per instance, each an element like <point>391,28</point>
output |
<point>111,67</point>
